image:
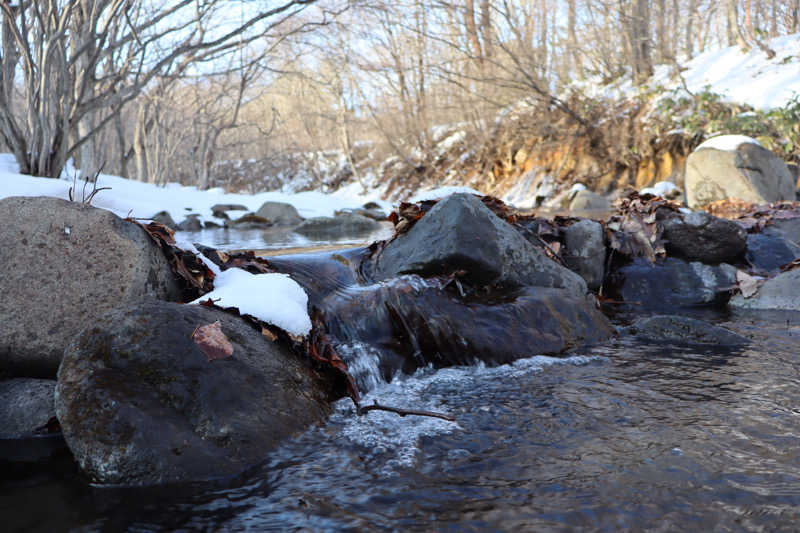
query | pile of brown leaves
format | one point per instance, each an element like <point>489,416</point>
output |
<point>634,231</point>
<point>758,217</point>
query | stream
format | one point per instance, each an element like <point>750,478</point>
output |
<point>624,436</point>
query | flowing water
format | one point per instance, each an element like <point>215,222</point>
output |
<point>626,436</point>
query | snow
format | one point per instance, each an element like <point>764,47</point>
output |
<point>740,77</point>
<point>727,143</point>
<point>662,188</point>
<point>273,298</point>
<point>441,192</point>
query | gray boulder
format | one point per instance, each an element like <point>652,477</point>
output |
<point>139,403</point>
<point>585,251</point>
<point>26,405</point>
<point>191,223</point>
<point>672,283</point>
<point>460,233</point>
<point>165,218</point>
<point>64,264</point>
<point>586,200</point>
<point>681,329</point>
<point>344,225</point>
<point>769,250</point>
<point>698,236</point>
<point>250,221</point>
<point>750,173</point>
<point>221,210</point>
<point>780,292</point>
<point>374,214</point>
<point>280,214</point>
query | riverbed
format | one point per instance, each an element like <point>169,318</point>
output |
<point>625,436</point>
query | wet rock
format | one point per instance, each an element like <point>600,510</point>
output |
<point>164,217</point>
<point>280,213</point>
<point>410,322</point>
<point>374,214</point>
<point>769,250</point>
<point>26,405</point>
<point>780,292</point>
<point>585,251</point>
<point>340,226</point>
<point>671,283</point>
<point>681,329</point>
<point>750,173</point>
<point>251,221</point>
<point>461,234</point>
<point>208,224</point>
<point>221,210</point>
<point>64,264</point>
<point>586,200</point>
<point>698,236</point>
<point>371,205</point>
<point>191,223</point>
<point>139,403</point>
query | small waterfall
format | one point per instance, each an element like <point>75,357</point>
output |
<point>363,362</point>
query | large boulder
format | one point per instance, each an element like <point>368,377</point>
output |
<point>586,200</point>
<point>698,236</point>
<point>64,264</point>
<point>780,292</point>
<point>280,213</point>
<point>459,233</point>
<point>747,171</point>
<point>683,330</point>
<point>344,225</point>
<point>140,403</point>
<point>26,406</point>
<point>585,251</point>
<point>672,283</point>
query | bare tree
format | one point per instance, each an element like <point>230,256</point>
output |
<point>81,61</point>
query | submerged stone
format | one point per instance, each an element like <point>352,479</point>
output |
<point>681,329</point>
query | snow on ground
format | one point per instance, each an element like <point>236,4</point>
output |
<point>727,143</point>
<point>747,78</point>
<point>441,192</point>
<point>143,200</point>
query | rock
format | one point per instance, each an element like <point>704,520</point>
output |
<point>208,224</point>
<point>788,228</point>
<point>750,173</point>
<point>585,200</point>
<point>684,330</point>
<point>221,210</point>
<point>585,251</point>
<point>64,264</point>
<point>780,292</point>
<point>769,250</point>
<point>371,205</point>
<point>280,214</point>
<point>164,217</point>
<point>251,221</point>
<point>191,223</point>
<point>460,233</point>
<point>672,283</point>
<point>410,322</point>
<point>374,214</point>
<point>139,403</point>
<point>698,236</point>
<point>26,405</point>
<point>345,225</point>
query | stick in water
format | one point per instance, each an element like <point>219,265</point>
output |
<point>364,409</point>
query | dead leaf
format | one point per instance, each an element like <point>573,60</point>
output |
<point>212,341</point>
<point>268,334</point>
<point>747,283</point>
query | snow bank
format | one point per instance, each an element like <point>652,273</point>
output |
<point>441,192</point>
<point>727,143</point>
<point>746,78</point>
<point>274,298</point>
<point>662,188</point>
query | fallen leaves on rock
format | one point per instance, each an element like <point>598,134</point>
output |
<point>212,341</point>
<point>748,284</point>
<point>634,230</point>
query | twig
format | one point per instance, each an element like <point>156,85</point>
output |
<point>364,409</point>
